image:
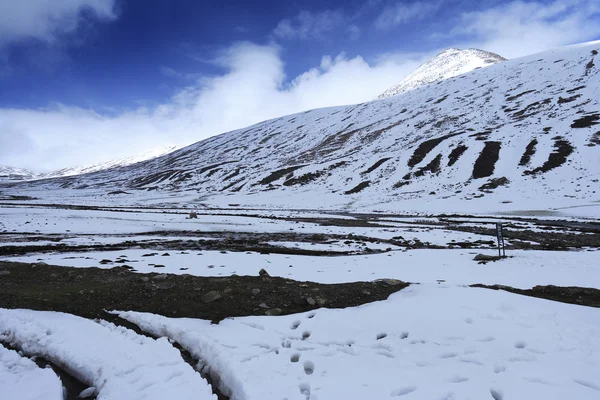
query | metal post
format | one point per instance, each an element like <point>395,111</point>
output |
<point>503,248</point>
<point>499,237</point>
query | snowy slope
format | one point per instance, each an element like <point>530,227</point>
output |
<point>518,135</point>
<point>447,64</point>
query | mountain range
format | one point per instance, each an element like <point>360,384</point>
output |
<point>20,174</point>
<point>518,134</point>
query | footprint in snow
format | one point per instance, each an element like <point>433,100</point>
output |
<point>309,367</point>
<point>403,391</point>
<point>458,379</point>
<point>520,344</point>
<point>295,325</point>
<point>448,355</point>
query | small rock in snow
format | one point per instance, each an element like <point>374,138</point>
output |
<point>263,272</point>
<point>89,392</point>
<point>321,301</point>
<point>484,257</point>
<point>300,301</point>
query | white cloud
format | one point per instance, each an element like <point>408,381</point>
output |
<point>251,91</point>
<point>308,25</point>
<point>520,28</point>
<point>402,12</point>
<point>46,20</point>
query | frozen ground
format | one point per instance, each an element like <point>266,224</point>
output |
<point>425,342</point>
<point>524,269</point>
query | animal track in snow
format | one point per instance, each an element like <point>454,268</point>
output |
<point>309,367</point>
<point>295,357</point>
<point>311,315</point>
<point>403,335</point>
<point>403,391</point>
<point>487,339</point>
<point>381,336</point>
<point>519,344</point>
<point>305,335</point>
<point>295,325</point>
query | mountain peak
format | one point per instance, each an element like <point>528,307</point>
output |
<point>447,64</point>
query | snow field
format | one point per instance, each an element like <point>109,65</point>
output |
<point>119,363</point>
<point>524,269</point>
<point>424,342</point>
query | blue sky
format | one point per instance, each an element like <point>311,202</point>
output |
<point>90,80</point>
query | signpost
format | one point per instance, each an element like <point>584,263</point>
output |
<point>500,236</point>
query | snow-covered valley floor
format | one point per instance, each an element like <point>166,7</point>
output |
<point>439,338</point>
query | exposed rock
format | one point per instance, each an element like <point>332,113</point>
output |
<point>300,301</point>
<point>321,301</point>
<point>4,273</point>
<point>263,272</point>
<point>89,392</point>
<point>101,262</point>
<point>211,296</point>
<point>165,285</point>
<point>193,215</point>
<point>263,305</point>
<point>310,301</point>
<point>255,292</point>
<point>484,257</point>
<point>160,277</point>
<point>273,312</point>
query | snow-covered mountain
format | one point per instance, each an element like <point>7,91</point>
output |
<point>517,135</point>
<point>447,64</point>
<point>15,174</point>
<point>119,162</point>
